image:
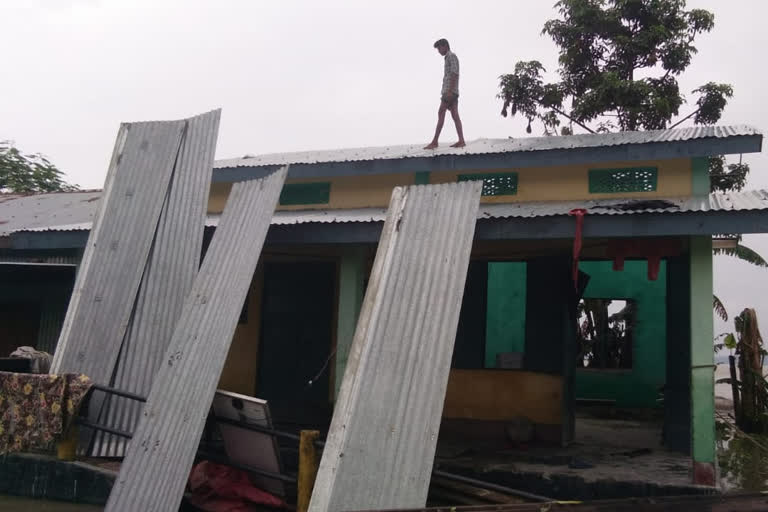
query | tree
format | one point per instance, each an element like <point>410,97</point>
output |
<point>22,173</point>
<point>619,61</point>
<point>618,66</point>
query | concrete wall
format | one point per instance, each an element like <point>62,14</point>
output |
<point>498,395</point>
<point>239,373</point>
<point>639,386</point>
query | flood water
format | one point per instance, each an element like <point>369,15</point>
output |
<point>743,460</point>
<point>14,504</point>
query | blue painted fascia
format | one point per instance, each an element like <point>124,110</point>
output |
<point>538,228</point>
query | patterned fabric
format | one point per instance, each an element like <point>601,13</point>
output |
<point>451,67</point>
<point>37,409</point>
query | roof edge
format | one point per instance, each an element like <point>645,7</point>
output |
<point>699,147</point>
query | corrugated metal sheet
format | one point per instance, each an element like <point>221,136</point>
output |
<point>155,470</point>
<point>31,211</point>
<point>171,270</point>
<point>118,246</point>
<point>381,443</point>
<point>493,146</point>
<point>52,314</point>
<point>732,201</point>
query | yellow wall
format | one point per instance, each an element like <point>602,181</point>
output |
<point>499,395</point>
<point>564,183</point>
<point>240,369</point>
<point>534,184</point>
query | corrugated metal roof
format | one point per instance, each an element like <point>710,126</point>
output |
<point>57,208</point>
<point>492,146</point>
<point>155,470</point>
<point>170,272</point>
<point>118,246</point>
<point>381,443</point>
<point>731,201</point>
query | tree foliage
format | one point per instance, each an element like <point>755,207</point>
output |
<point>23,173</point>
<point>743,253</point>
<point>619,63</point>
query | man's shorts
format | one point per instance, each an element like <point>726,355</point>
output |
<point>450,99</point>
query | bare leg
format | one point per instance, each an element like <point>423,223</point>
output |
<point>459,127</point>
<point>439,128</point>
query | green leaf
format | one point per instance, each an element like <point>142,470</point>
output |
<point>730,341</point>
<point>719,308</point>
<point>29,173</point>
<point>743,253</point>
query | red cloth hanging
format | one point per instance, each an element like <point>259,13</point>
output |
<point>579,213</point>
<point>652,249</point>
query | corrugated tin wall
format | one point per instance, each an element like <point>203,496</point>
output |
<point>155,470</point>
<point>382,440</point>
<point>51,319</point>
<point>170,272</point>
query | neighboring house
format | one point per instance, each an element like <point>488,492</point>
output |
<point>524,339</point>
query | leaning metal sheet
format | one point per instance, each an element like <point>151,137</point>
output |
<point>117,250</point>
<point>171,270</point>
<point>158,460</point>
<point>381,444</point>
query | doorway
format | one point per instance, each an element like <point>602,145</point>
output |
<point>296,338</point>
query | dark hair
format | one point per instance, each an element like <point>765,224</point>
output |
<point>442,42</point>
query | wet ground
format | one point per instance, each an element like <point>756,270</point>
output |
<point>604,450</point>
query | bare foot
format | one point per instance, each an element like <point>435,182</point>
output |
<point>459,144</point>
<point>431,145</point>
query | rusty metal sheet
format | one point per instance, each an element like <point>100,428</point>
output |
<point>155,469</point>
<point>381,443</point>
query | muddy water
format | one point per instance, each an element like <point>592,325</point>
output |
<point>15,504</point>
<point>743,461</point>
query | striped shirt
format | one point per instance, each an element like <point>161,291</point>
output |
<point>451,67</point>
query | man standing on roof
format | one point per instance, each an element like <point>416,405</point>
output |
<point>449,97</point>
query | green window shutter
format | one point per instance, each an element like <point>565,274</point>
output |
<point>631,179</point>
<point>305,193</point>
<point>421,178</point>
<point>495,184</point>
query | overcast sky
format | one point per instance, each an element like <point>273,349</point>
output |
<point>315,75</point>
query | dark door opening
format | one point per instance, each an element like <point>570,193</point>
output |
<point>296,330</point>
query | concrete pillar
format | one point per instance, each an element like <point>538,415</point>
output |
<point>702,362</point>
<point>351,291</point>
<point>700,181</point>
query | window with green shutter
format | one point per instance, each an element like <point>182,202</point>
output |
<point>305,193</point>
<point>632,179</point>
<point>495,184</point>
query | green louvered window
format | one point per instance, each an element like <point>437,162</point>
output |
<point>613,181</point>
<point>495,184</point>
<point>305,193</point>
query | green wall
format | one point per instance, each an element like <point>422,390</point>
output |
<point>505,319</point>
<point>637,387</point>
